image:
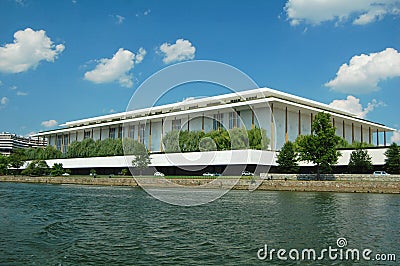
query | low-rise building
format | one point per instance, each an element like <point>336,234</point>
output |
<point>9,142</point>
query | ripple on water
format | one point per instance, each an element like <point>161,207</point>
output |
<point>89,225</point>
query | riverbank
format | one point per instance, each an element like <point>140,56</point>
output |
<point>364,186</point>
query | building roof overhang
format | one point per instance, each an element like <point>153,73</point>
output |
<point>251,98</point>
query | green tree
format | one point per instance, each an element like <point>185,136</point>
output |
<point>124,172</point>
<point>392,161</point>
<point>239,139</point>
<point>108,147</point>
<point>82,149</point>
<point>288,158</point>
<point>360,161</point>
<point>320,147</point>
<point>171,141</point>
<point>57,169</point>
<point>129,146</point>
<point>189,140</point>
<point>93,172</point>
<point>16,160</point>
<point>37,168</point>
<point>48,152</point>
<point>221,139</point>
<point>207,144</point>
<point>141,157</point>
<point>258,139</point>
<point>3,164</point>
<point>343,144</point>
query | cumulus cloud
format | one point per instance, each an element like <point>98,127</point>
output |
<point>49,123</point>
<point>352,104</point>
<point>28,49</point>
<point>140,55</point>
<point>361,12</point>
<point>4,100</point>
<point>396,136</point>
<point>118,19</point>
<point>180,51</point>
<point>115,69</point>
<point>21,93</point>
<point>144,13</point>
<point>364,72</point>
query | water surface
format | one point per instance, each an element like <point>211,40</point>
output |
<point>88,225</point>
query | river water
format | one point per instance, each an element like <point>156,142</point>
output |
<point>90,225</point>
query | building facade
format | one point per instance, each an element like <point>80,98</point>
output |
<point>282,115</point>
<point>9,142</point>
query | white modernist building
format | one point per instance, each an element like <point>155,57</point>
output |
<point>9,142</point>
<point>282,115</point>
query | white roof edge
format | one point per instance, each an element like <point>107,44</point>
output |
<point>205,109</point>
<point>263,90</point>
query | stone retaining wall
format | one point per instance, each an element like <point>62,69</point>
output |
<point>71,180</point>
<point>337,177</point>
<point>243,184</point>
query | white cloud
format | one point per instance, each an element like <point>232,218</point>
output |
<point>370,16</point>
<point>4,101</point>
<point>364,72</point>
<point>20,2</point>
<point>396,136</point>
<point>1,83</point>
<point>30,134</point>
<point>119,19</point>
<point>352,104</point>
<point>13,87</point>
<point>144,13</point>
<point>140,55</point>
<point>115,69</point>
<point>28,49</point>
<point>21,93</point>
<point>360,11</point>
<point>49,123</point>
<point>180,51</point>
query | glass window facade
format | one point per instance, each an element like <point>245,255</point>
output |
<point>131,132</point>
<point>86,135</point>
<point>176,124</point>
<point>142,129</point>
<point>217,122</point>
<point>234,120</point>
<point>111,133</point>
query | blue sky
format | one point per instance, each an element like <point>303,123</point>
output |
<point>66,60</point>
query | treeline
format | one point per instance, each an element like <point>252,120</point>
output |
<point>174,141</point>
<point>216,140</point>
<point>84,148</point>
<point>321,149</point>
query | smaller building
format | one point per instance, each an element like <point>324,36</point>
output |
<point>9,142</point>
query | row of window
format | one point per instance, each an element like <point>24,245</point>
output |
<point>62,141</point>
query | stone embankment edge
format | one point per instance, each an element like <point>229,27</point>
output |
<point>391,187</point>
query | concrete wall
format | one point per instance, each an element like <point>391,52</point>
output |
<point>236,157</point>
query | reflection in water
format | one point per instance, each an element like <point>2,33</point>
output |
<point>53,224</point>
